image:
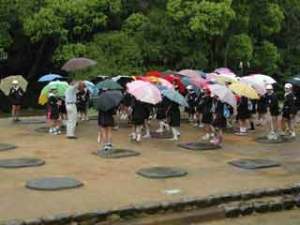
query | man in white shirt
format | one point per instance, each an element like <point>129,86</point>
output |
<point>70,99</point>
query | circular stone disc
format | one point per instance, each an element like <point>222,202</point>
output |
<point>53,183</point>
<point>21,162</point>
<point>161,172</point>
<point>199,146</point>
<point>164,135</point>
<point>6,147</point>
<point>279,140</point>
<point>46,129</point>
<point>31,121</point>
<point>117,153</point>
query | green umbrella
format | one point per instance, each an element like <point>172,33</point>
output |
<point>59,86</point>
<point>175,96</point>
<point>109,84</point>
<point>107,100</point>
<point>295,80</point>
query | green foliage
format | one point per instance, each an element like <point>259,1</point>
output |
<point>69,51</point>
<point>240,48</point>
<point>267,57</point>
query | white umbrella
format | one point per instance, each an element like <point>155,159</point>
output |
<point>224,94</point>
<point>263,79</point>
<point>260,88</point>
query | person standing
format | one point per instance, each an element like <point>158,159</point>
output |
<point>244,114</point>
<point>289,111</point>
<point>53,113</point>
<point>273,109</point>
<point>16,94</point>
<point>138,117</point>
<point>70,99</point>
<point>83,98</point>
<point>219,121</point>
<point>207,116</point>
<point>173,115</point>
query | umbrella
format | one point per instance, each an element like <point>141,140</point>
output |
<point>295,80</point>
<point>154,73</point>
<point>60,86</point>
<point>78,64</point>
<point>190,73</point>
<point>199,82</point>
<point>260,88</point>
<point>175,96</point>
<point>144,91</point>
<point>107,100</point>
<point>223,70</point>
<point>263,79</point>
<point>224,94</point>
<point>49,77</point>
<point>6,83</point>
<point>176,82</point>
<point>245,90</point>
<point>91,87</point>
<point>109,84</point>
<point>157,81</point>
<point>222,78</point>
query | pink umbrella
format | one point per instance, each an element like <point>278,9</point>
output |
<point>199,82</point>
<point>225,72</point>
<point>78,64</point>
<point>224,94</point>
<point>189,73</point>
<point>165,83</point>
<point>144,91</point>
<point>259,87</point>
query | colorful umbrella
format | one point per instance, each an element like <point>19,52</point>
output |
<point>6,83</point>
<point>245,90</point>
<point>176,82</point>
<point>49,77</point>
<point>109,84</point>
<point>144,91</point>
<point>189,73</point>
<point>223,70</point>
<point>157,81</point>
<point>154,73</point>
<point>107,100</point>
<point>222,78</point>
<point>224,94</point>
<point>59,86</point>
<point>263,79</point>
<point>199,82</point>
<point>260,88</point>
<point>78,64</point>
<point>175,96</point>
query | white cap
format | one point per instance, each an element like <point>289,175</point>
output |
<point>15,82</point>
<point>288,86</point>
<point>269,87</point>
<point>189,87</point>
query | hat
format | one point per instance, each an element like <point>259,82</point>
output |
<point>269,87</point>
<point>15,82</point>
<point>288,86</point>
<point>189,87</point>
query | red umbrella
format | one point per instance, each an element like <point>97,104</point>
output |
<point>176,82</point>
<point>154,73</point>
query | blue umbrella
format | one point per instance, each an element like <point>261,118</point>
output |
<point>175,96</point>
<point>49,77</point>
<point>91,87</point>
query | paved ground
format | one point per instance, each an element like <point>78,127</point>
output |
<point>114,183</point>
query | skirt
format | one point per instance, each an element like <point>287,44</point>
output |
<point>106,119</point>
<point>220,123</point>
<point>207,118</point>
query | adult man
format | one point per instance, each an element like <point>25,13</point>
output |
<point>70,99</point>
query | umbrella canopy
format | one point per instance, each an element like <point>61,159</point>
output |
<point>6,83</point>
<point>190,73</point>
<point>59,86</point>
<point>224,94</point>
<point>295,80</point>
<point>223,70</point>
<point>245,90</point>
<point>78,64</point>
<point>49,77</point>
<point>176,82</point>
<point>91,87</point>
<point>109,84</point>
<point>199,82</point>
<point>157,81</point>
<point>263,79</point>
<point>260,88</point>
<point>175,96</point>
<point>107,100</point>
<point>154,73</point>
<point>144,91</point>
<point>222,78</point>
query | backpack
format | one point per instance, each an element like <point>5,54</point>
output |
<point>226,112</point>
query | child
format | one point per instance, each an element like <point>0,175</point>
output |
<point>207,117</point>
<point>289,110</point>
<point>173,115</point>
<point>191,98</point>
<point>53,113</point>
<point>219,121</point>
<point>138,119</point>
<point>161,115</point>
<point>244,114</point>
<point>273,108</point>
<point>262,109</point>
<point>83,97</point>
<point>16,95</point>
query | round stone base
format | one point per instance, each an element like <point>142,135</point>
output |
<point>199,146</point>
<point>117,153</point>
<point>6,147</point>
<point>254,163</point>
<point>53,183</point>
<point>279,140</point>
<point>163,135</point>
<point>20,163</point>
<point>46,129</point>
<point>161,172</point>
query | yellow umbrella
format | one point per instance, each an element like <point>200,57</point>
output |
<point>43,99</point>
<point>245,90</point>
<point>6,83</point>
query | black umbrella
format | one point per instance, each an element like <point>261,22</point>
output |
<point>107,100</point>
<point>295,80</point>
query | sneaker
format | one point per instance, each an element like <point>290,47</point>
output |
<point>138,138</point>
<point>147,136</point>
<point>133,136</point>
<point>206,137</point>
<point>51,131</point>
<point>159,130</point>
<point>293,134</point>
<point>58,131</point>
<point>201,125</point>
